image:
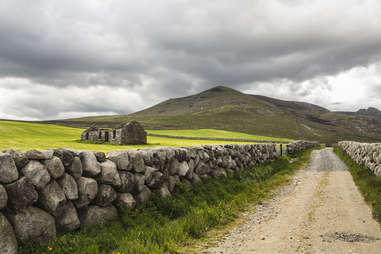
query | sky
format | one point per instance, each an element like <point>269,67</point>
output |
<point>63,59</point>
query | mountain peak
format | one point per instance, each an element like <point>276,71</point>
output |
<point>221,89</point>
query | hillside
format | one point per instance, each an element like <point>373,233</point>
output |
<point>227,109</point>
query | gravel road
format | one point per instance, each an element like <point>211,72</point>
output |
<point>321,211</point>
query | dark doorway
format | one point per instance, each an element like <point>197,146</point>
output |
<point>87,135</point>
<point>113,133</point>
<point>106,136</point>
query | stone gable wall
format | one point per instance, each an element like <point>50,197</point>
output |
<point>365,154</point>
<point>63,189</point>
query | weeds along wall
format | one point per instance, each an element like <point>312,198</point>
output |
<point>63,189</point>
<point>365,154</point>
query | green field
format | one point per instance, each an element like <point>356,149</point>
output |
<point>26,135</point>
<point>212,133</point>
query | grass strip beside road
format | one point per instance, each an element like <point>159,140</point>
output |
<point>367,182</point>
<point>168,225</point>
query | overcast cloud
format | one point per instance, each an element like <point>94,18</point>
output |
<point>61,59</point>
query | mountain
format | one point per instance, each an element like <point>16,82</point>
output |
<point>228,109</point>
<point>369,111</point>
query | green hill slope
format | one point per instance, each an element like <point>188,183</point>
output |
<point>227,109</point>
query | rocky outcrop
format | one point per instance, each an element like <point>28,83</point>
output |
<point>66,189</point>
<point>365,154</point>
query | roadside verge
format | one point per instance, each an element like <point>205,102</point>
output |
<point>367,182</point>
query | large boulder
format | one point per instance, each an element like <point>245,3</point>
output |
<point>69,186</point>
<point>139,183</point>
<point>109,174</point>
<point>8,242</point>
<point>55,167</point>
<point>8,169</point>
<point>178,168</point>
<point>101,157</point>
<point>164,191</point>
<point>219,172</point>
<point>19,157</point>
<point>125,201</point>
<point>37,155</point>
<point>87,191</point>
<point>95,215</point>
<point>65,155</point>
<point>156,180</point>
<point>137,161</point>
<point>90,164</point>
<point>34,224</point>
<point>21,193</point>
<point>121,158</point>
<point>106,195</point>
<point>37,174</point>
<point>52,197</point>
<point>127,182</point>
<point>67,218</point>
<point>172,182</point>
<point>3,197</point>
<point>202,169</point>
<point>75,168</point>
<point>148,174</point>
<point>144,195</point>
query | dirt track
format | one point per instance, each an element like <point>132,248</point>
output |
<point>320,212</point>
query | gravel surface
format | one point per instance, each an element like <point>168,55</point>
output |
<point>321,211</point>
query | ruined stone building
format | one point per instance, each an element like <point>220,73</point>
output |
<point>131,133</point>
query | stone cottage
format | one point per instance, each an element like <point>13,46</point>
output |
<point>131,133</point>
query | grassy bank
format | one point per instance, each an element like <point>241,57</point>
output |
<point>25,136</point>
<point>167,225</point>
<point>368,183</point>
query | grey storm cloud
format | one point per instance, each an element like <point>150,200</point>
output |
<point>152,50</point>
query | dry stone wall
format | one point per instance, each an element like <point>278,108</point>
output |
<point>63,189</point>
<point>299,145</point>
<point>366,154</point>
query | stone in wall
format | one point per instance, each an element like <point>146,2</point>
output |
<point>37,173</point>
<point>8,170</point>
<point>55,167</point>
<point>21,194</point>
<point>95,215</point>
<point>8,242</point>
<point>34,224</point>
<point>90,165</point>
<point>87,191</point>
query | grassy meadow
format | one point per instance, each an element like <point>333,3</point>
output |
<point>208,133</point>
<point>27,135</point>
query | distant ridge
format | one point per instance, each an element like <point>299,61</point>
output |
<point>225,108</point>
<point>371,111</point>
